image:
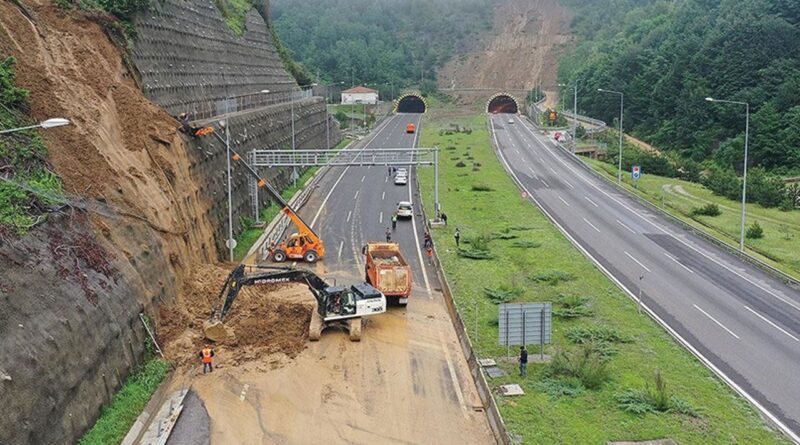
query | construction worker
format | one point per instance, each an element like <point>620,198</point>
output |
<point>394,220</point>
<point>429,252</point>
<point>444,218</point>
<point>186,126</point>
<point>207,356</point>
<point>388,235</point>
<point>427,241</point>
<point>457,237</point>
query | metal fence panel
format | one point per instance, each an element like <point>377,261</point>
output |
<point>525,323</point>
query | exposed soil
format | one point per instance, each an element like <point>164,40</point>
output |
<point>528,38</point>
<point>264,320</point>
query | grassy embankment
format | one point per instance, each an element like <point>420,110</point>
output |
<point>116,419</point>
<point>247,238</point>
<point>573,400</point>
<point>780,246</point>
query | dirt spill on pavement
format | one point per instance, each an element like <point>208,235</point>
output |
<point>264,321</point>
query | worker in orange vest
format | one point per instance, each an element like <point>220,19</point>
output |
<point>207,356</point>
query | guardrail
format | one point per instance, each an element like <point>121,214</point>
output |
<point>496,422</point>
<point>597,126</point>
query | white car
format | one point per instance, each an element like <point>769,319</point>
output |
<point>402,171</point>
<point>405,209</point>
<point>511,121</point>
<point>400,180</point>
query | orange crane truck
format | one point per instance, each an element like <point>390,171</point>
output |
<point>387,270</point>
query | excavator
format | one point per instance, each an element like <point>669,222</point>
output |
<point>337,306</point>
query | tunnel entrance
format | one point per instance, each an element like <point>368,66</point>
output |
<point>502,103</point>
<point>410,103</point>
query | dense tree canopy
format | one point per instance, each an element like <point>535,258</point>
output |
<point>668,55</point>
<point>383,43</point>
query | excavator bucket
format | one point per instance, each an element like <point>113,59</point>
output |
<point>215,330</point>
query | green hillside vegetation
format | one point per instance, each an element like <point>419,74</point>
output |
<point>667,56</point>
<point>383,43</point>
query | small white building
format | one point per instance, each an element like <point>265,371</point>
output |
<point>359,95</point>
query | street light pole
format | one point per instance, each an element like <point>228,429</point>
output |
<point>231,243</point>
<point>744,167</point>
<point>49,123</point>
<point>621,108</point>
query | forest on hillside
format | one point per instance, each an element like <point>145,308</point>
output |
<point>667,56</point>
<point>387,44</point>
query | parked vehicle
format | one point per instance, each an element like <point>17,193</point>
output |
<point>387,270</point>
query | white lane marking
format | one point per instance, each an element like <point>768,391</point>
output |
<point>349,214</point>
<point>567,182</point>
<point>554,172</point>
<point>532,170</point>
<point>593,203</point>
<point>383,195</point>
<point>772,324</point>
<point>710,365</point>
<point>341,244</point>
<point>524,160</point>
<point>637,261</point>
<point>363,178</point>
<point>344,172</point>
<point>593,226</point>
<point>414,226</point>
<point>243,394</point>
<point>356,196</point>
<point>715,320</point>
<point>708,257</point>
<point>545,183</point>
<point>453,376</point>
<point>562,200</point>
<point>679,263</point>
<point>541,159</point>
<point>623,225</point>
<point>380,220</point>
<point>386,180</point>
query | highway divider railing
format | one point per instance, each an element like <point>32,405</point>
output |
<point>776,273</point>
<point>496,422</point>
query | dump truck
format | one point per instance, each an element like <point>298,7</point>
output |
<point>387,270</point>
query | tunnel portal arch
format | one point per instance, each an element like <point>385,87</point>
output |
<point>502,103</point>
<point>410,103</point>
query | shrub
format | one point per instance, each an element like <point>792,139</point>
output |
<point>461,164</point>
<point>481,188</point>
<point>475,254</point>
<point>526,244</point>
<point>504,234</point>
<point>595,333</point>
<point>502,294</point>
<point>556,388</point>
<point>754,231</point>
<point>552,277</point>
<point>654,399</point>
<point>582,364</point>
<point>572,306</point>
<point>709,209</point>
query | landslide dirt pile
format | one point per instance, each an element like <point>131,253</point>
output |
<point>264,320</point>
<point>71,291</point>
<point>528,36</point>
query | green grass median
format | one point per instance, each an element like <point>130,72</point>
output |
<point>615,374</point>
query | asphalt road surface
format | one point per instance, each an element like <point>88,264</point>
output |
<point>405,382</point>
<point>740,320</point>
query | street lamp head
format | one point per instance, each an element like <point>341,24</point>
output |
<point>265,91</point>
<point>710,99</point>
<point>601,90</point>
<point>54,122</point>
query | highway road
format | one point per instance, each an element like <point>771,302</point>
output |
<point>406,382</point>
<point>741,321</point>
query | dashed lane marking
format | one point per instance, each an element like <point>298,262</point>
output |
<point>715,321</point>
<point>637,262</point>
<point>593,226</point>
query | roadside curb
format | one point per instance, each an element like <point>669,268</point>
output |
<point>151,414</point>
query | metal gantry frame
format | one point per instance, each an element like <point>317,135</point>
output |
<point>385,157</point>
